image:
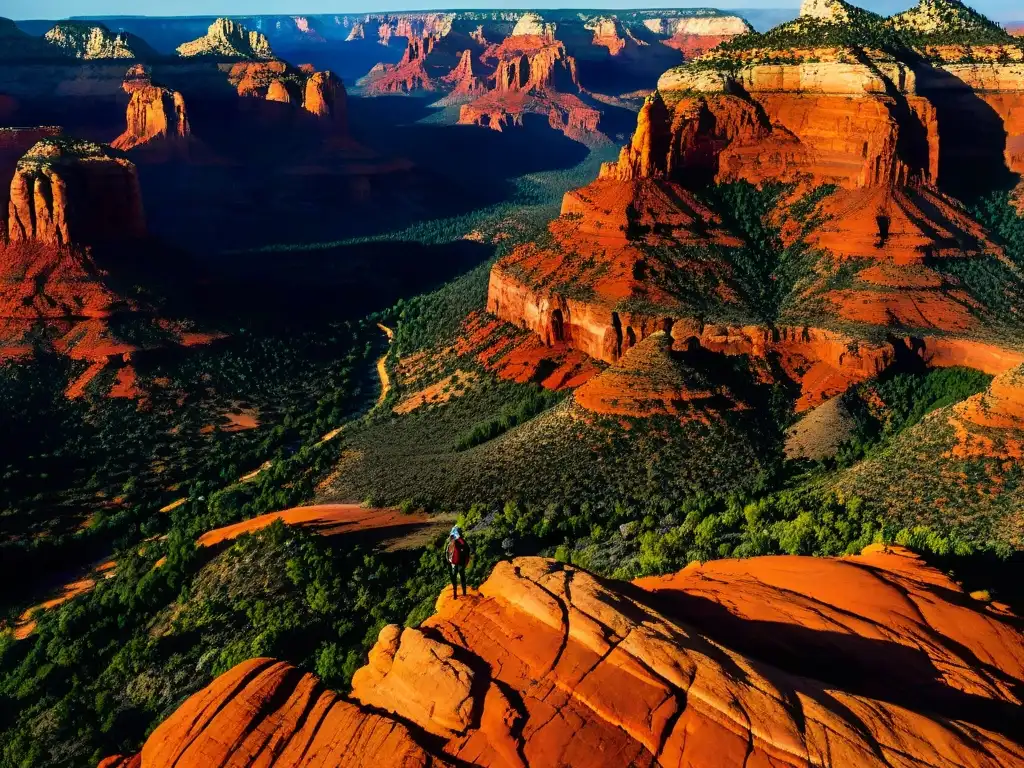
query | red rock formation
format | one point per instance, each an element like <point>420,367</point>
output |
<point>278,91</point>
<point>842,140</point>
<point>865,661</point>
<point>66,191</point>
<point>325,98</point>
<point>137,76</point>
<point>155,115</point>
<point>409,74</point>
<point>525,63</point>
<point>607,34</point>
<point>647,380</point>
<point>990,426</point>
<point>462,80</point>
<point>565,112</point>
<point>275,714</point>
<point>692,46</point>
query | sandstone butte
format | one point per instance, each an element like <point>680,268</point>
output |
<point>66,198</point>
<point>871,660</point>
<point>89,40</point>
<point>156,115</point>
<point>870,129</point>
<point>228,39</point>
<point>67,191</point>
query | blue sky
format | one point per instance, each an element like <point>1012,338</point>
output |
<point>1002,10</point>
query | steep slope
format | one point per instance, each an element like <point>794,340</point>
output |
<point>547,665</point>
<point>961,465</point>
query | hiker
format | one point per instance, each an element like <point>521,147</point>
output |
<point>456,554</point>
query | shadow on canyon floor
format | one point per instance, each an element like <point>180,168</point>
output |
<point>294,288</point>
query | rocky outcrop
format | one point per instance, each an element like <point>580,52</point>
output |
<point>70,192</point>
<point>325,98</point>
<point>82,40</point>
<point>409,74</point>
<point>650,379</point>
<point>999,407</point>
<point>863,661</point>
<point>463,80</point>
<point>358,32</point>
<point>156,116</point>
<point>607,33</point>
<point>228,39</point>
<point>524,64</point>
<point>266,711</point>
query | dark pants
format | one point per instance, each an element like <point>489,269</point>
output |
<point>458,572</point>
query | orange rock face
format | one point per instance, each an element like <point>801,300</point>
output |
<point>154,115</point>
<point>325,98</point>
<point>525,63</point>
<point>462,79</point>
<point>874,660</point>
<point>68,192</point>
<point>267,712</point>
<point>845,140</point>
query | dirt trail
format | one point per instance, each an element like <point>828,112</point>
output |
<point>382,371</point>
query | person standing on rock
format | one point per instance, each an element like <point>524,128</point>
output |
<point>457,554</point>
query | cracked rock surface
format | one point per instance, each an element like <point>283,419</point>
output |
<point>873,660</point>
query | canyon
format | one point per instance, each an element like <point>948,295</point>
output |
<point>498,72</point>
<point>708,339</point>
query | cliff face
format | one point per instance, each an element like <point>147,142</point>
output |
<point>525,63</point>
<point>67,192</point>
<point>547,661</point>
<point>844,140</point>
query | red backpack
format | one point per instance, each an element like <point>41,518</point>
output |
<point>457,551</point>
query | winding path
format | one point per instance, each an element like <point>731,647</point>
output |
<point>382,371</point>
